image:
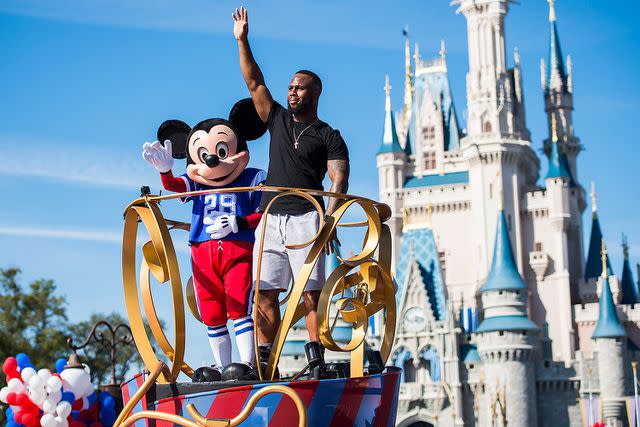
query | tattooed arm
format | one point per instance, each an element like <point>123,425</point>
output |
<point>339,176</point>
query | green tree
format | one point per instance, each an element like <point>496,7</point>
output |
<point>35,320</point>
<point>98,355</point>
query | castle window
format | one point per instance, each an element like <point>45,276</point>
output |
<point>428,132</point>
<point>429,160</point>
<point>487,127</point>
<point>501,333</point>
<point>538,246</point>
<point>443,264</point>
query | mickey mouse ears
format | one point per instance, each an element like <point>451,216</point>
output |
<point>177,132</point>
<point>246,120</point>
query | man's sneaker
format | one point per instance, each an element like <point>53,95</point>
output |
<point>207,374</point>
<point>236,371</point>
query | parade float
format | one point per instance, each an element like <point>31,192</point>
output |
<point>364,394</point>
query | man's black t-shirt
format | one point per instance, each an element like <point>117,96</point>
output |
<point>304,167</point>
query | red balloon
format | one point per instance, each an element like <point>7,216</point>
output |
<point>10,364</point>
<point>29,420</point>
<point>85,415</point>
<point>10,368</point>
<point>76,423</point>
<point>12,399</point>
<point>77,405</point>
<point>96,424</point>
<point>23,399</point>
<point>17,417</point>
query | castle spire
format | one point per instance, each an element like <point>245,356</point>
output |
<point>608,323</point>
<point>504,272</point>
<point>557,76</point>
<point>628,288</point>
<point>593,267</point>
<point>390,142</point>
<point>408,84</point>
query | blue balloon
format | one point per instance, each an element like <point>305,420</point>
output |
<point>69,397</point>
<point>91,398</point>
<point>13,424</point>
<point>23,360</point>
<point>60,364</point>
<point>9,414</point>
<point>102,396</point>
<point>107,416</point>
<point>75,414</point>
<point>109,402</point>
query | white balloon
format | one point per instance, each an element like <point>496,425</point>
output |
<point>53,384</point>
<point>27,373</point>
<point>62,422</point>
<point>16,386</point>
<point>55,396</point>
<point>3,394</point>
<point>49,406</point>
<point>48,420</point>
<point>36,383</point>
<point>63,409</point>
<point>37,397</point>
<point>45,374</point>
<point>76,381</point>
<point>89,390</point>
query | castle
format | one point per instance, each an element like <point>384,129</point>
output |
<point>503,320</point>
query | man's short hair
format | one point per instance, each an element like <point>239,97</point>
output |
<point>314,76</point>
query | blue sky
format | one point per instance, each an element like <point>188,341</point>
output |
<point>84,84</point>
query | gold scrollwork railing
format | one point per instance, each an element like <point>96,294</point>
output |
<point>124,420</point>
<point>373,288</point>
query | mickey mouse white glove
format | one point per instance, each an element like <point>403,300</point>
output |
<point>220,226</point>
<point>159,156</point>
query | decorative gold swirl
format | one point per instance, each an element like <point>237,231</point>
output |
<point>124,420</point>
<point>371,282</point>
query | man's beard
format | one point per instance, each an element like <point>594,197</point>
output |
<point>302,107</point>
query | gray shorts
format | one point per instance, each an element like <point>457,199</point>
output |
<point>281,265</point>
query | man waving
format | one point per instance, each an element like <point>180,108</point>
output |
<point>302,150</point>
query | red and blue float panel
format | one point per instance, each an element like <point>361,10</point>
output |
<point>365,401</point>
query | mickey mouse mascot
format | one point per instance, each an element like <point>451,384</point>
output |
<point>222,225</point>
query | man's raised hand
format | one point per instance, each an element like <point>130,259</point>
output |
<point>240,23</point>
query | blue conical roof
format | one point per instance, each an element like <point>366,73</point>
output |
<point>628,288</point>
<point>556,74</point>
<point>504,273</point>
<point>390,143</point>
<point>593,267</point>
<point>558,163</point>
<point>609,325</point>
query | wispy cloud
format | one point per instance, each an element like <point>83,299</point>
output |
<point>89,165</point>
<point>97,236</point>
<point>91,235</point>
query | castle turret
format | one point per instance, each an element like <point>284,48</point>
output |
<point>557,85</point>
<point>611,340</point>
<point>391,160</point>
<point>593,267</point>
<point>628,288</point>
<point>507,338</point>
<point>557,290</point>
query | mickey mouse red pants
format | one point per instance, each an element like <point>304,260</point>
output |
<point>222,279</point>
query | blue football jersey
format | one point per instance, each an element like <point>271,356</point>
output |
<point>240,204</point>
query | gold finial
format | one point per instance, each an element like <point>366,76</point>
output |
<point>594,206</point>
<point>554,128</point>
<point>387,92</point>
<point>603,251</point>
<point>429,212</point>
<point>443,49</point>
<point>625,247</point>
<point>552,11</point>
<point>416,55</point>
<point>405,218</point>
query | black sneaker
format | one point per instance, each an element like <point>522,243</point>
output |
<point>207,374</point>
